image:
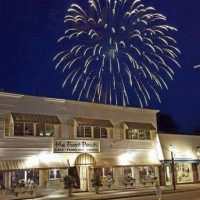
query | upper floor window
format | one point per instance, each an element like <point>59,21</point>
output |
<point>92,132</point>
<point>27,129</point>
<point>134,134</point>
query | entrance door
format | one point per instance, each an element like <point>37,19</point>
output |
<point>168,175</point>
<point>84,178</point>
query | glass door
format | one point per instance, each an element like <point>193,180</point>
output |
<point>84,178</point>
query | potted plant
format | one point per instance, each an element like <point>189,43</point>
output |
<point>69,184</point>
<point>96,182</point>
<point>108,181</point>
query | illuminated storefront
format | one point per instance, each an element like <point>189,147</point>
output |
<point>186,156</point>
<point>50,138</point>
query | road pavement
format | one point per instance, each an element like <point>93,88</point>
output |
<point>194,195</point>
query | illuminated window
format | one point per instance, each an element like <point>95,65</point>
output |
<point>49,130</point>
<point>40,130</point>
<point>134,134</point>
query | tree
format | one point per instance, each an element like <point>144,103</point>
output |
<point>166,123</point>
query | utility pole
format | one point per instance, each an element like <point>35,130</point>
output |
<point>173,172</point>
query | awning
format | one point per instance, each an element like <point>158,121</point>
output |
<point>13,165</point>
<point>137,125</point>
<point>115,162</point>
<point>94,122</point>
<point>46,119</point>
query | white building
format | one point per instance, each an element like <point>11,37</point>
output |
<point>117,141</point>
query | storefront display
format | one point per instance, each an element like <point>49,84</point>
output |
<point>32,175</point>
<point>184,173</point>
<point>147,174</point>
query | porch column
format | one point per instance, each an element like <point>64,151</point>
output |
<point>43,176</point>
<point>7,179</point>
<point>137,176</point>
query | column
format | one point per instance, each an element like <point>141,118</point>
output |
<point>137,176</point>
<point>43,175</point>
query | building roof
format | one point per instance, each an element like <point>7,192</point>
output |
<point>55,100</point>
<point>94,122</point>
<point>184,147</point>
<point>137,125</point>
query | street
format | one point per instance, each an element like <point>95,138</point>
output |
<point>194,195</point>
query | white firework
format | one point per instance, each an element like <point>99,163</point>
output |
<point>117,49</point>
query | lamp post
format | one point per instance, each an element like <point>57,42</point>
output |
<point>172,166</point>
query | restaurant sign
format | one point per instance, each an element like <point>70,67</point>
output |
<point>76,146</point>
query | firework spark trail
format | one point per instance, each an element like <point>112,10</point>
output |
<point>116,48</point>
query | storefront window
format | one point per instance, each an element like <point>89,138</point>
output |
<point>104,171</point>
<point>24,175</point>
<point>29,130</point>
<point>129,172</point>
<point>19,129</point>
<point>184,173</point>
<point>146,173</point>
<point>54,174</point>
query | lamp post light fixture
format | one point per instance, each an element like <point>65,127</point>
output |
<point>172,166</point>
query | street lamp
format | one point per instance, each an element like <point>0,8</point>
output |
<point>172,166</point>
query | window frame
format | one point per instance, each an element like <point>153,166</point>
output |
<point>83,128</point>
<point>138,132</point>
<point>54,173</point>
<point>34,130</point>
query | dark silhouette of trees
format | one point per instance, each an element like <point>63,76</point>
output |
<point>166,123</point>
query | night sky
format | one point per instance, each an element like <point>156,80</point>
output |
<point>29,30</point>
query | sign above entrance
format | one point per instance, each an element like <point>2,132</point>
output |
<point>76,146</point>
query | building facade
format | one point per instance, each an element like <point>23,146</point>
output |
<point>186,152</point>
<point>44,139</point>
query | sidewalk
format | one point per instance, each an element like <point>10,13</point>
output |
<point>113,194</point>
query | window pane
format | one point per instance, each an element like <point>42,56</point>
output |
<point>29,131</point>
<point>147,135</point>
<point>135,134</point>
<point>128,134</point>
<point>19,129</point>
<point>80,131</point>
<point>104,133</point>
<point>88,132</point>
<point>97,132</point>
<point>141,134</point>
<point>50,130</point>
<point>57,174</point>
<point>40,130</point>
<point>51,174</point>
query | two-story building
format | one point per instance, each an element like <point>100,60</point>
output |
<point>44,139</point>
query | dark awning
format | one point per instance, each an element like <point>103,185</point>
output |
<point>94,122</point>
<point>137,125</point>
<point>46,119</point>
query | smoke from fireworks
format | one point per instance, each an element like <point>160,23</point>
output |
<point>116,48</point>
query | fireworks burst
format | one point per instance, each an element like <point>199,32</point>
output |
<point>116,48</point>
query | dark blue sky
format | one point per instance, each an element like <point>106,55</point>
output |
<point>29,30</point>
